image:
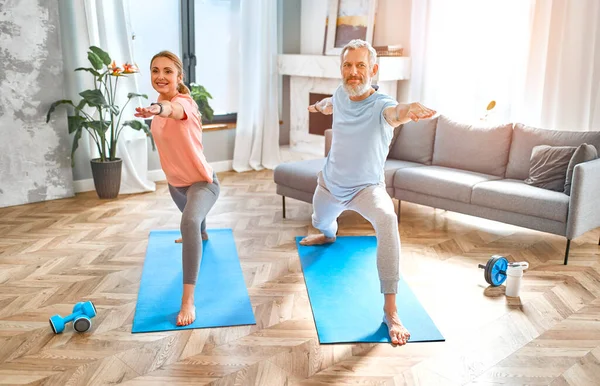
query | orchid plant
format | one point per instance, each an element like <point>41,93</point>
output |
<point>103,122</point>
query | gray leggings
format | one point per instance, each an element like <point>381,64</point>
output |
<point>194,201</point>
<point>377,207</point>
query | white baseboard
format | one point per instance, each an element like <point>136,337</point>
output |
<point>153,175</point>
<point>222,166</point>
<point>156,175</point>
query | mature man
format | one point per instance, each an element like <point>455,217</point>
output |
<point>353,175</point>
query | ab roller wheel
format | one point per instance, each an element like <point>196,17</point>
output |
<point>495,270</point>
<point>81,317</point>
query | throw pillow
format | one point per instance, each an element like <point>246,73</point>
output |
<point>548,166</point>
<point>583,153</point>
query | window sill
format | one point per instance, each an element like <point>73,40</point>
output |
<point>218,126</point>
<point>222,126</point>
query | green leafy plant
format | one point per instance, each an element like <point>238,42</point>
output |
<point>103,121</point>
<point>201,96</point>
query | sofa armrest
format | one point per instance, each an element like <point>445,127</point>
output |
<point>584,206</point>
<point>328,136</point>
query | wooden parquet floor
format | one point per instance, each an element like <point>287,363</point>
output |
<point>54,254</point>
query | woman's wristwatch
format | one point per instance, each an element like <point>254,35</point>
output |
<point>159,105</point>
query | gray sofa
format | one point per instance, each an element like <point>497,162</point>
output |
<point>475,170</point>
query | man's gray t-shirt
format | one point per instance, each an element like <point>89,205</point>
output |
<point>360,145</point>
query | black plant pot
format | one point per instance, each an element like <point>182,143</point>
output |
<point>107,177</point>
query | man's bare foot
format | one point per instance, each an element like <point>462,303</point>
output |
<point>187,315</point>
<point>317,240</point>
<point>204,237</point>
<point>398,333</point>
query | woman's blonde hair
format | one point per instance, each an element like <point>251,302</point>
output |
<point>181,87</point>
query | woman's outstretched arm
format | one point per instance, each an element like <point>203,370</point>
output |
<point>163,109</point>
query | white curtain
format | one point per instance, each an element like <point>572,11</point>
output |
<point>466,53</point>
<point>103,23</point>
<point>257,131</point>
<point>539,60</point>
<point>562,90</point>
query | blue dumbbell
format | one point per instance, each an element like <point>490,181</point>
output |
<point>81,318</point>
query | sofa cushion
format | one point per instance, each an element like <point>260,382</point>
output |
<point>391,166</point>
<point>584,153</point>
<point>525,138</point>
<point>481,149</point>
<point>548,166</point>
<point>397,130</point>
<point>300,175</point>
<point>440,181</point>
<point>516,196</point>
<point>413,141</point>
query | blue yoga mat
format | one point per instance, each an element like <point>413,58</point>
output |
<point>345,296</point>
<point>221,296</point>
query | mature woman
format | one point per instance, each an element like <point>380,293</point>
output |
<point>177,131</point>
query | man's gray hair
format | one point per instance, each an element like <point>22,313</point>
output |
<point>358,43</point>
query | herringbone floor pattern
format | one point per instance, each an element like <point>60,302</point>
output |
<point>57,253</point>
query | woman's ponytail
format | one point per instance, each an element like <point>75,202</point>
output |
<point>182,88</point>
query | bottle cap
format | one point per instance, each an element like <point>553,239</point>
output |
<point>517,267</point>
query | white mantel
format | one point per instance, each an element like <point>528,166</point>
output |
<point>321,74</point>
<point>321,66</point>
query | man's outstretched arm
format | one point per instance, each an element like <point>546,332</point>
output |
<point>324,106</point>
<point>405,112</point>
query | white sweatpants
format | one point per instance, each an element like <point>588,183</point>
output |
<point>376,206</point>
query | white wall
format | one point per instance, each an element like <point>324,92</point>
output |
<point>312,26</point>
<point>392,24</point>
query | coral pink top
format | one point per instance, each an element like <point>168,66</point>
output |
<point>179,144</point>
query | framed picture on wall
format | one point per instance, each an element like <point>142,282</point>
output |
<point>347,20</point>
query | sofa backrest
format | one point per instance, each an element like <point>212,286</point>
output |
<point>525,138</point>
<point>481,148</point>
<point>413,141</point>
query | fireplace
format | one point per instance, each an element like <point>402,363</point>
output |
<point>318,123</point>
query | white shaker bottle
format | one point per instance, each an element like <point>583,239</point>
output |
<point>514,276</point>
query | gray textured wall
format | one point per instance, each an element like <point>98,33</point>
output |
<point>34,156</point>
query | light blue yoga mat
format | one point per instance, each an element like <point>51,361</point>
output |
<point>221,296</point>
<point>345,296</point>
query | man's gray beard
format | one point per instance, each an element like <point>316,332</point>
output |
<point>358,90</point>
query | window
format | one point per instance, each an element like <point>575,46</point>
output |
<point>216,47</point>
<point>148,39</point>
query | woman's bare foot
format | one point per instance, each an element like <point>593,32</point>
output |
<point>317,240</point>
<point>187,314</point>
<point>398,333</point>
<point>204,237</point>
